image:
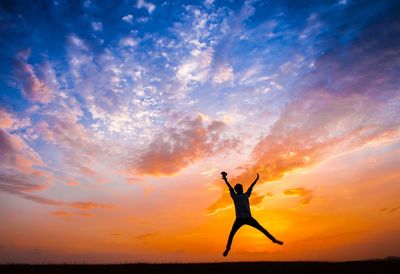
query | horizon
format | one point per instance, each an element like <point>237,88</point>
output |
<point>387,258</point>
<point>117,119</point>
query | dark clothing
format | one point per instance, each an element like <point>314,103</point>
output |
<point>239,222</point>
<point>242,205</point>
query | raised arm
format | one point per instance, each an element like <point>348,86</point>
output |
<point>223,173</point>
<point>252,185</point>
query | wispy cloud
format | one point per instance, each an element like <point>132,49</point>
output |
<point>196,67</point>
<point>150,7</point>
<point>31,86</point>
<point>90,205</point>
<point>6,120</point>
<point>18,171</point>
<point>146,236</point>
<point>69,214</point>
<point>389,209</point>
<point>306,194</point>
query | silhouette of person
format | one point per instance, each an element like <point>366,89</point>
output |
<point>243,214</point>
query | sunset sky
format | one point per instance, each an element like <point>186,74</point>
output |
<point>117,117</point>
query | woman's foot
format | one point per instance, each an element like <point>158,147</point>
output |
<point>277,242</point>
<point>226,251</point>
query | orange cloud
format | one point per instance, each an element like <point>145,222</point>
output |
<point>68,214</point>
<point>389,209</point>
<point>177,147</point>
<point>61,213</point>
<point>116,234</point>
<point>87,171</point>
<point>300,192</point>
<point>90,205</point>
<point>72,183</point>
<point>146,236</point>
<point>85,214</point>
<point>6,121</point>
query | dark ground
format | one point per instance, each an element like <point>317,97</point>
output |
<point>373,266</point>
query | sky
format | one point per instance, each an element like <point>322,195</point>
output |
<point>117,117</point>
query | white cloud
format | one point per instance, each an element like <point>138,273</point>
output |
<point>127,42</point>
<point>128,18</point>
<point>97,26</point>
<point>79,57</point>
<point>77,42</point>
<point>150,7</point>
<point>196,67</point>
<point>224,73</point>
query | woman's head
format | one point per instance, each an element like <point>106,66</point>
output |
<point>238,188</point>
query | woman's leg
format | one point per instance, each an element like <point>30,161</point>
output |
<point>253,222</point>
<point>235,227</point>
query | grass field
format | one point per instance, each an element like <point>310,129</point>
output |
<point>371,266</point>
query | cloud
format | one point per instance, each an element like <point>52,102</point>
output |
<point>24,185</point>
<point>87,171</point>
<point>114,86</point>
<point>196,67</point>
<point>389,209</point>
<point>60,213</point>
<point>72,183</point>
<point>19,168</point>
<point>6,120</point>
<point>146,236</point>
<point>127,42</point>
<point>42,200</point>
<point>150,7</point>
<point>199,32</point>
<point>65,131</point>
<point>18,184</point>
<point>18,174</point>
<point>296,192</point>
<point>75,140</point>
<point>31,86</point>
<point>90,205</point>
<point>97,26</point>
<point>178,146</point>
<point>23,172</point>
<point>68,214</point>
<point>224,73</point>
<point>127,18</point>
<point>299,192</point>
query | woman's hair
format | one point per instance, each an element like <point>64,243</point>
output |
<point>238,188</point>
